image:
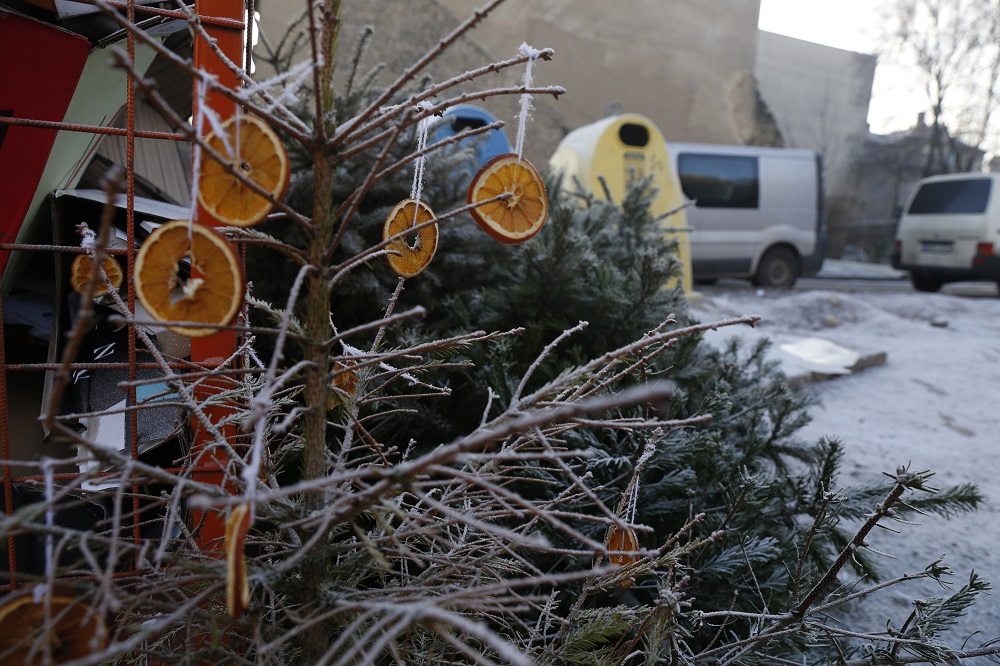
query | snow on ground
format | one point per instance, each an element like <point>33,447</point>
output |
<point>934,404</point>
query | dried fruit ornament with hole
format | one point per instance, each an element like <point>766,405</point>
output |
<point>79,275</point>
<point>521,215</point>
<point>343,385</point>
<point>409,258</point>
<point>187,272</point>
<point>627,544</point>
<point>624,541</point>
<point>253,151</point>
<point>237,584</point>
<point>72,629</point>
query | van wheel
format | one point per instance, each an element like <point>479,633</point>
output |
<point>926,282</point>
<point>779,267</point>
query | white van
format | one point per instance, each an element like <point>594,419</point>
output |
<point>757,211</point>
<point>948,230</point>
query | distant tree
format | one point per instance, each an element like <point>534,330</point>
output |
<point>954,45</point>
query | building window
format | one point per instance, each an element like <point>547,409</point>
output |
<point>719,181</point>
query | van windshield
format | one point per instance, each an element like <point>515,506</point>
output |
<point>952,196</point>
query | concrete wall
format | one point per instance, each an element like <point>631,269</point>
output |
<point>686,64</point>
<point>819,98</point>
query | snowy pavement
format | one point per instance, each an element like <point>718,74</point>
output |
<point>931,403</point>
<point>837,268</point>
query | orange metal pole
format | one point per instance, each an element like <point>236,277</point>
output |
<point>214,349</point>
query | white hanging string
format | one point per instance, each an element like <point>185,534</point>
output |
<point>632,501</point>
<point>423,127</point>
<point>204,115</point>
<point>201,86</point>
<point>50,519</point>
<point>237,148</point>
<point>526,106</point>
<point>88,238</point>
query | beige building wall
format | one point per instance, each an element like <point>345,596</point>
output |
<point>819,97</point>
<point>685,64</point>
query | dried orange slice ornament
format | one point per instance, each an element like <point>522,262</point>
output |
<point>625,541</point>
<point>520,216</point>
<point>254,151</point>
<point>345,381</point>
<point>71,628</point>
<point>79,275</point>
<point>409,255</point>
<point>237,585</point>
<point>210,293</point>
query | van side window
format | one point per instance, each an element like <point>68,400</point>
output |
<point>719,181</point>
<point>952,196</point>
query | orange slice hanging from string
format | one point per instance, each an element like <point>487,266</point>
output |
<point>345,381</point>
<point>188,273</point>
<point>79,275</point>
<point>254,152</point>
<point>409,255</point>
<point>237,585</point>
<point>72,629</point>
<point>521,215</point>
<point>626,542</point>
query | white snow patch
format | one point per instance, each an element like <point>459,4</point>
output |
<point>932,405</point>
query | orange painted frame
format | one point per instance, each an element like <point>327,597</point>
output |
<point>214,349</point>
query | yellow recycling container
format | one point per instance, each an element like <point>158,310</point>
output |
<point>620,149</point>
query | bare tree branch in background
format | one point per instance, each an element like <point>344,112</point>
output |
<point>953,45</point>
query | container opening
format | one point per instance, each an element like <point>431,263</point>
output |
<point>463,123</point>
<point>632,134</point>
